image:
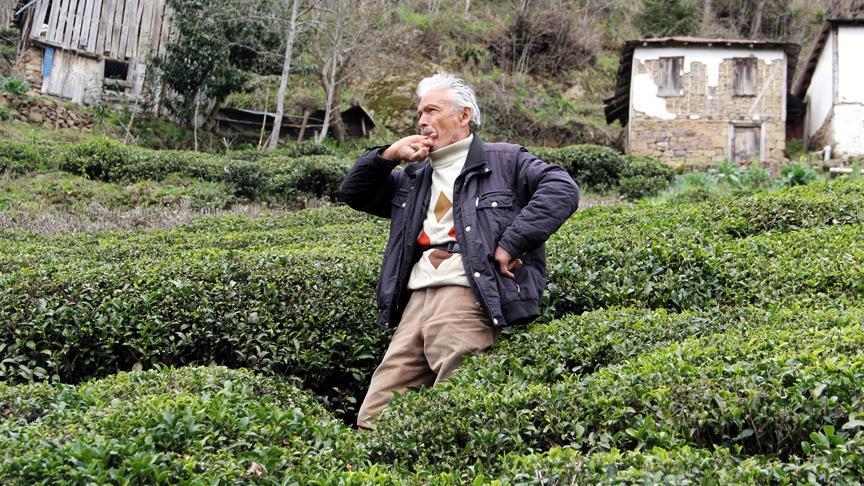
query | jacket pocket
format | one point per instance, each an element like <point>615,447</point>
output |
<point>495,212</point>
<point>502,199</point>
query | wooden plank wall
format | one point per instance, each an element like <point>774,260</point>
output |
<point>7,11</point>
<point>115,29</point>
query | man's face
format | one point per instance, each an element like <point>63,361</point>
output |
<point>440,122</point>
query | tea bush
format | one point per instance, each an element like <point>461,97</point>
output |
<point>593,166</point>
<point>643,177</point>
<point>283,179</point>
<point>766,386</point>
<point>739,360</point>
<point>295,295</point>
<point>274,300</point>
<point>18,157</point>
<point>163,427</point>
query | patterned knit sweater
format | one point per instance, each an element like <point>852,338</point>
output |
<point>438,267</point>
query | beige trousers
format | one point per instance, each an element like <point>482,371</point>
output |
<point>440,326</point>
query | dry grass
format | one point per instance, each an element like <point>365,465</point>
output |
<point>96,217</point>
<point>590,200</point>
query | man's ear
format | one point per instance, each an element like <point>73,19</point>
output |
<point>465,116</point>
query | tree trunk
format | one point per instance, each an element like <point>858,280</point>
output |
<point>338,124</point>
<point>329,75</point>
<point>283,83</point>
<point>707,16</point>
<point>756,26</point>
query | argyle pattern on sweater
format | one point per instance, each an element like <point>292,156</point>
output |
<point>438,267</point>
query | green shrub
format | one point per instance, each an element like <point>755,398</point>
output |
<point>838,464</point>
<point>796,174</point>
<point>13,85</point>
<point>718,182</point>
<point>5,113</point>
<point>291,150</point>
<point>96,159</point>
<point>274,300</point>
<point>278,179</point>
<point>197,425</point>
<point>765,386</point>
<point>592,166</point>
<point>295,295</point>
<point>644,177</point>
<point>19,157</point>
<point>316,176</point>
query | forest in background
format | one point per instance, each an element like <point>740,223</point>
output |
<point>541,67</point>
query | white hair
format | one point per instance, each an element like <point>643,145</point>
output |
<point>461,95</point>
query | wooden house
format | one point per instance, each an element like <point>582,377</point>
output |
<point>832,89</point>
<point>698,101</point>
<point>250,124</point>
<point>92,50</point>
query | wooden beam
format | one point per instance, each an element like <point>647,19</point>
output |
<point>156,26</point>
<point>135,30</point>
<point>117,27</point>
<point>165,33</point>
<point>38,19</point>
<point>95,25</point>
<point>303,125</point>
<point>106,25</point>
<point>145,32</point>
<point>128,24</point>
<point>57,35</point>
<point>76,12</point>
<point>82,34</point>
<point>78,25</point>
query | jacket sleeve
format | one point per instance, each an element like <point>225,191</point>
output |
<point>552,197</point>
<point>371,183</point>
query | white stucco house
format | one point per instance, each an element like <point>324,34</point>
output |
<point>832,88</point>
<point>697,101</point>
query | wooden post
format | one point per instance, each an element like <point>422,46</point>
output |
<point>303,125</point>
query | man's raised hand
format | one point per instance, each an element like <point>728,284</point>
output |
<point>413,148</point>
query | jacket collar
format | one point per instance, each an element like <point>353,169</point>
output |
<point>476,156</point>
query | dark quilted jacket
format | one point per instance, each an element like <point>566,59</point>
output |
<point>503,196</point>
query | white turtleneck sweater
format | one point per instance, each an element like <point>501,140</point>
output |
<point>438,227</point>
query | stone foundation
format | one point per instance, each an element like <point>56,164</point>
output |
<point>46,112</point>
<point>696,143</point>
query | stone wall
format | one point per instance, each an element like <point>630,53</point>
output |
<point>29,66</point>
<point>697,143</point>
<point>698,124</point>
<point>46,112</point>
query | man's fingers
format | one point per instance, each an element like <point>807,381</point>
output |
<point>514,264</point>
<point>504,269</point>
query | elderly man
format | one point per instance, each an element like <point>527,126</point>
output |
<point>466,254</point>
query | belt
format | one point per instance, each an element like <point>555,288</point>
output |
<point>452,247</point>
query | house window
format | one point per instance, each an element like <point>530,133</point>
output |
<point>744,76</point>
<point>669,77</point>
<point>115,75</point>
<point>746,143</point>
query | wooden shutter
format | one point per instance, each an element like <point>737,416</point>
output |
<point>746,143</point>
<point>744,76</point>
<point>669,82</point>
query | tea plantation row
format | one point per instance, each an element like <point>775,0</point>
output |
<point>295,295</point>
<point>287,175</point>
<point>742,396</point>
